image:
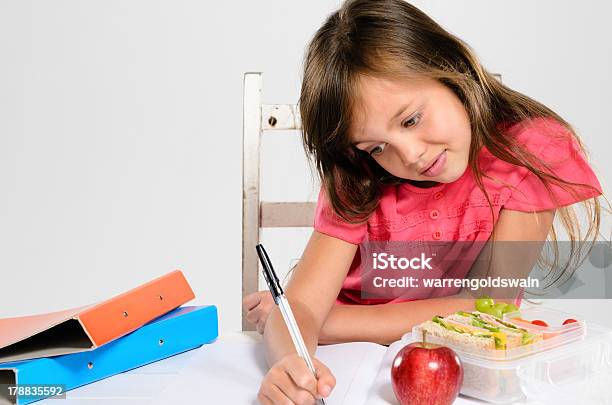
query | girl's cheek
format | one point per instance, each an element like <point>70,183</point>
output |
<point>383,160</point>
<point>390,165</point>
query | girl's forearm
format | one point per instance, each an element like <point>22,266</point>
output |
<point>277,339</point>
<point>385,323</point>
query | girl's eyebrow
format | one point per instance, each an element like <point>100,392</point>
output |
<point>400,111</point>
<point>397,114</point>
<point>355,143</point>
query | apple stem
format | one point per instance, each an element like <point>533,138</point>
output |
<point>424,340</point>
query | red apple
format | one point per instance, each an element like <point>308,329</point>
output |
<point>424,373</point>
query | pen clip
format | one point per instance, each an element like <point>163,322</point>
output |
<point>269,273</point>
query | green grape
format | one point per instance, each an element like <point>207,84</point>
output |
<point>484,304</point>
<point>510,308</point>
<point>498,310</point>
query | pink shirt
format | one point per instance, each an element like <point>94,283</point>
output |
<point>459,211</point>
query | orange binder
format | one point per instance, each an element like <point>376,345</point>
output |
<point>88,327</point>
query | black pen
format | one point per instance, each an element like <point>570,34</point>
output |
<point>283,305</point>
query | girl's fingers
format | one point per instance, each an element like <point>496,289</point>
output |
<point>254,315</point>
<point>301,375</point>
<point>273,394</point>
<point>259,313</point>
<point>260,327</point>
<point>266,305</point>
<point>250,317</point>
<point>264,400</point>
<point>325,379</point>
<point>296,394</point>
<point>251,301</point>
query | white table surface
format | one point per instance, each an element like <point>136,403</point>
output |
<point>141,385</point>
<point>145,384</point>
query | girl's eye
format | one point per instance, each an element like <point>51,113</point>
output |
<point>378,149</point>
<point>411,122</point>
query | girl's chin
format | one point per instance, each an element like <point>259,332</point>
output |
<point>449,176</point>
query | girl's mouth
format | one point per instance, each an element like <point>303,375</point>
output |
<point>437,166</point>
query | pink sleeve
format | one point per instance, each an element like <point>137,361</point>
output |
<point>328,222</point>
<point>561,152</point>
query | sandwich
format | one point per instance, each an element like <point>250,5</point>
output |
<point>483,334</point>
<point>478,330</point>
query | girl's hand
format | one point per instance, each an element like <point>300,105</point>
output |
<point>258,306</point>
<point>290,381</point>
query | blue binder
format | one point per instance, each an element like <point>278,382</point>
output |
<point>182,329</point>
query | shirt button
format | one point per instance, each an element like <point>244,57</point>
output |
<point>436,235</point>
<point>438,195</point>
<point>434,214</point>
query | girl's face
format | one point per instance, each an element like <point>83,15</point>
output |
<point>416,130</point>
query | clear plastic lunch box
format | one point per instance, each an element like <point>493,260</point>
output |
<point>572,365</point>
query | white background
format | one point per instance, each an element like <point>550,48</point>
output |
<point>120,130</point>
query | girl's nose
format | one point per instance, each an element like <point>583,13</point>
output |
<point>410,152</point>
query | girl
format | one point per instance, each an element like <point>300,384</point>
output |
<point>413,141</point>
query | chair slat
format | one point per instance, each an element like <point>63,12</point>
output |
<point>280,116</point>
<point>287,214</point>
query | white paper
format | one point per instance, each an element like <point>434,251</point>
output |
<point>231,372</point>
<point>355,366</point>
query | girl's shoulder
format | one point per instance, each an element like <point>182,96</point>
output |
<point>541,135</point>
<point>326,221</point>
<point>557,152</point>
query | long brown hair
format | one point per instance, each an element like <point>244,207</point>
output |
<point>392,38</point>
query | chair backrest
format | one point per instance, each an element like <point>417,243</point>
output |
<point>256,214</point>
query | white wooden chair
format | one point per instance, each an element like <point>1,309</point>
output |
<point>256,214</point>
